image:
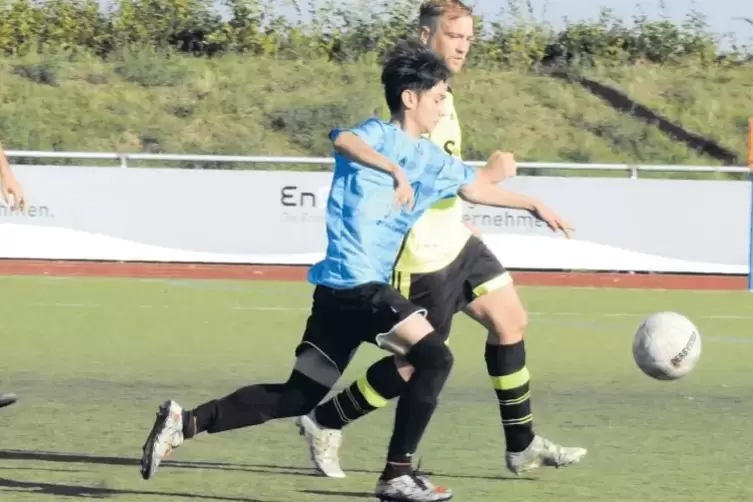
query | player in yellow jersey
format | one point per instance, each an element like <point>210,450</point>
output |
<point>446,269</point>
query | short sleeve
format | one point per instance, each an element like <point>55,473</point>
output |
<point>371,131</point>
<point>453,174</point>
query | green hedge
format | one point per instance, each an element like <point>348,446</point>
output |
<point>339,31</point>
<point>172,76</point>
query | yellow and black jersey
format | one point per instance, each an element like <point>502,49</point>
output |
<point>439,235</point>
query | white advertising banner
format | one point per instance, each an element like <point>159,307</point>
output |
<point>277,217</point>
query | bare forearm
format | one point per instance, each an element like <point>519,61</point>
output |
<point>492,195</point>
<point>4,166</point>
<point>350,145</point>
<point>480,192</point>
<point>491,174</point>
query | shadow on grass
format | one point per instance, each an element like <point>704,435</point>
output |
<point>252,468</point>
<point>100,492</point>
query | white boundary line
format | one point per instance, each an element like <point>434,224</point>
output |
<point>274,308</point>
<point>243,285</point>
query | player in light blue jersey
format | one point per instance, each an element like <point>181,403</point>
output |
<point>365,229</point>
<point>393,177</point>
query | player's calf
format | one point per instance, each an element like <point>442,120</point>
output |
<point>432,362</point>
<point>381,383</point>
<point>414,339</point>
<point>502,313</point>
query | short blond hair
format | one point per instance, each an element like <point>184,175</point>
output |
<point>432,11</point>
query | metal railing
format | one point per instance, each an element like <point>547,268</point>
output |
<point>122,160</point>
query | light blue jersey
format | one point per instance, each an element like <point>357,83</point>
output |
<point>364,229</point>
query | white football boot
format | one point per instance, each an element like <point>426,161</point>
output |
<point>543,453</point>
<point>324,445</point>
<point>166,435</point>
<point>410,489</point>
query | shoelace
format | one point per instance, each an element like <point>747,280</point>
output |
<point>326,446</point>
<point>423,484</point>
<point>418,472</point>
<point>419,481</point>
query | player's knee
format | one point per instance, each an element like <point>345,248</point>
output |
<point>431,353</point>
<point>510,330</point>
<point>502,313</point>
<point>313,364</point>
<point>433,362</point>
<point>404,368</point>
<point>517,322</point>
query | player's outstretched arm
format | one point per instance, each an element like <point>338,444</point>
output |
<point>487,194</point>
<point>351,146</point>
<point>10,185</point>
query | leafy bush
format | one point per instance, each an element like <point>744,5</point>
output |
<point>341,31</point>
<point>175,76</point>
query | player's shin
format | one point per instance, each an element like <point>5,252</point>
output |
<point>432,361</point>
<point>511,382</point>
<point>255,405</point>
<point>380,384</point>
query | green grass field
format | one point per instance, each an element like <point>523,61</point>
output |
<point>93,358</point>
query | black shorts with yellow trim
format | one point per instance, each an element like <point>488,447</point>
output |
<point>474,273</point>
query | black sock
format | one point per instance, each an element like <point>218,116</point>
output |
<point>511,382</point>
<point>380,384</point>
<point>256,404</point>
<point>432,362</point>
<point>189,427</point>
<point>394,470</point>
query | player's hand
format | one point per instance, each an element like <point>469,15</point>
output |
<point>555,222</point>
<point>506,164</point>
<point>503,165</point>
<point>403,190</point>
<point>12,188</point>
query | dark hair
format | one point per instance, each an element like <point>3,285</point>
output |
<point>410,65</point>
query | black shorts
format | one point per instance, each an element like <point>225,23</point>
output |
<point>342,319</point>
<point>475,272</point>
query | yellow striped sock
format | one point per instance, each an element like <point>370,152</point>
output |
<point>511,383</point>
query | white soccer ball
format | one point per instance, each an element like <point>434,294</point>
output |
<point>667,346</point>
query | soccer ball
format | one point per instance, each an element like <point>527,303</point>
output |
<point>667,346</point>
